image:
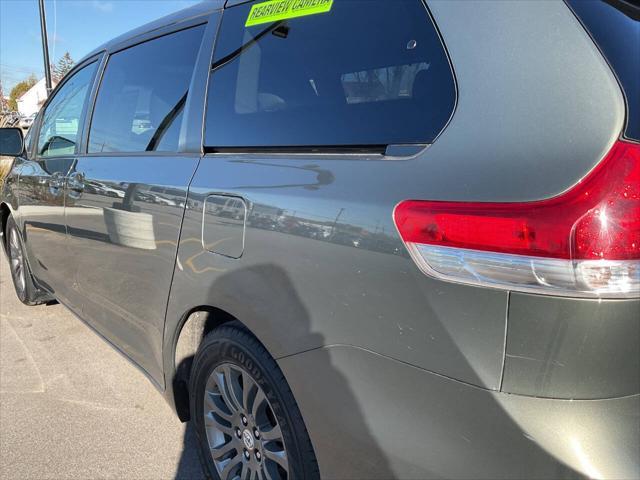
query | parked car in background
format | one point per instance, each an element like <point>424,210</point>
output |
<point>356,239</point>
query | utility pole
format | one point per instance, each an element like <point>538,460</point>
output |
<point>45,46</point>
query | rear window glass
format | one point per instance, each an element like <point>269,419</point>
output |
<point>141,99</point>
<point>388,83</point>
<point>362,74</point>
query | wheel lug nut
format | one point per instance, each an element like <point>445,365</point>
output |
<point>256,433</point>
<point>258,455</point>
<point>246,454</point>
<point>244,420</point>
<point>238,433</point>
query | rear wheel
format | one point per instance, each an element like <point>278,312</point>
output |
<point>20,273</point>
<point>246,420</point>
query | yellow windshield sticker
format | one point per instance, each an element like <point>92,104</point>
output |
<point>275,10</point>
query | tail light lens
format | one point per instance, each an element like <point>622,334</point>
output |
<point>584,242</point>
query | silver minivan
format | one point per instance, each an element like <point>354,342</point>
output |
<point>356,239</point>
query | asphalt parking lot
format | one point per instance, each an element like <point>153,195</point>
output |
<point>72,407</point>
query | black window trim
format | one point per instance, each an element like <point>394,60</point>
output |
<point>303,149</point>
<point>30,153</point>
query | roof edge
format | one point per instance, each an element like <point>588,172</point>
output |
<point>200,9</point>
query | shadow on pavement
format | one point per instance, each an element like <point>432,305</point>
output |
<point>189,467</point>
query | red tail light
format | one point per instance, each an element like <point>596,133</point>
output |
<point>586,240</point>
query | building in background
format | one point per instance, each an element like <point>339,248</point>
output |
<point>31,101</point>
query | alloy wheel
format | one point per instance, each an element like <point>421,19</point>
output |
<point>243,433</point>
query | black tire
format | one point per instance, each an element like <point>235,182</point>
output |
<point>23,283</point>
<point>233,345</point>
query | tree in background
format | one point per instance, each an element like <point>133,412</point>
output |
<point>19,90</point>
<point>64,65</point>
<point>4,105</point>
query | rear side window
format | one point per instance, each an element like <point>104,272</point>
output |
<point>142,96</point>
<point>615,27</point>
<point>362,74</point>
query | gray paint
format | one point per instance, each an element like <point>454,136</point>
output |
<point>567,348</point>
<point>42,222</point>
<point>124,240</point>
<point>323,264</point>
<point>107,250</point>
<point>494,153</point>
<point>528,123</point>
<point>223,225</point>
<point>325,289</point>
<point>373,417</point>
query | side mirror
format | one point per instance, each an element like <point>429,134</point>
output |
<point>11,142</point>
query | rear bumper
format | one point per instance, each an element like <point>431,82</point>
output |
<point>370,416</point>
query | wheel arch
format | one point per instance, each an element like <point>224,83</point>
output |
<point>193,327</point>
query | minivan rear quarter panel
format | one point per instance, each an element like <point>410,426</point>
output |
<point>537,109</point>
<point>522,106</point>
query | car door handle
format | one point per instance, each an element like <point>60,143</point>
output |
<point>75,183</point>
<point>56,183</point>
